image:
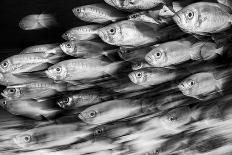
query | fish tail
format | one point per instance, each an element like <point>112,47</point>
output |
<point>54,59</point>
<point>113,68</point>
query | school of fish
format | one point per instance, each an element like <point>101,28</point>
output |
<point>142,77</point>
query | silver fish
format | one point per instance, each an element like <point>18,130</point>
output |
<point>84,48</point>
<point>49,136</point>
<point>144,4</point>
<point>86,32</point>
<point>201,85</point>
<point>79,69</point>
<point>109,111</point>
<point>204,18</point>
<point>37,21</point>
<point>27,62</point>
<point>30,108</point>
<point>36,90</point>
<point>152,76</point>
<point>139,65</point>
<point>179,51</point>
<point>98,13</point>
<point>82,98</point>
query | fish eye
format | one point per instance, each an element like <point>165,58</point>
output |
<point>4,102</point>
<point>190,14</point>
<point>172,118</point>
<point>134,16</point>
<point>68,45</point>
<point>98,131</point>
<point>27,138</point>
<point>5,64</point>
<point>92,113</point>
<point>139,75</point>
<point>12,90</point>
<point>66,100</point>
<point>138,65</point>
<point>58,69</point>
<point>112,31</point>
<point>78,10</point>
<point>191,83</point>
<point>158,54</point>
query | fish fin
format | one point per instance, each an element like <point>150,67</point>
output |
<point>54,59</point>
<point>113,68</point>
<point>36,74</point>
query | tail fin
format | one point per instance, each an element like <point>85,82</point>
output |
<point>54,59</point>
<point>113,68</point>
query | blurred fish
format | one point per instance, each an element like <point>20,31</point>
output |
<point>202,85</point>
<point>28,62</point>
<point>109,111</point>
<point>152,76</point>
<point>49,136</point>
<point>144,4</point>
<point>86,32</point>
<point>177,117</point>
<point>80,69</point>
<point>84,48</point>
<point>98,13</point>
<point>8,79</point>
<point>139,65</point>
<point>82,98</point>
<point>30,108</point>
<point>179,51</point>
<point>36,90</point>
<point>134,54</point>
<point>37,21</point>
<point>144,17</point>
<point>123,33</point>
<point>204,18</point>
<point>225,2</point>
<point>45,48</point>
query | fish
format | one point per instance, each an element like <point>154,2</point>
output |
<point>39,89</point>
<point>134,54</point>
<point>123,33</point>
<point>179,51</point>
<point>144,17</point>
<point>118,4</point>
<point>48,136</point>
<point>48,49</point>
<point>225,2</point>
<point>202,85</point>
<point>37,21</point>
<point>79,69</point>
<point>82,98</point>
<point>204,18</point>
<point>144,4</point>
<point>87,32</point>
<point>84,48</point>
<point>8,79</point>
<point>139,65</point>
<point>152,76</point>
<point>98,13</point>
<point>109,111</point>
<point>29,62</point>
<point>176,118</point>
<point>30,108</point>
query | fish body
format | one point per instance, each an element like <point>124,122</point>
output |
<point>109,111</point>
<point>27,63</point>
<point>152,76</point>
<point>79,69</point>
<point>37,21</point>
<point>86,32</point>
<point>49,136</point>
<point>204,18</point>
<point>123,33</point>
<point>45,48</point>
<point>143,4</point>
<point>30,108</point>
<point>83,48</point>
<point>79,99</point>
<point>225,2</point>
<point>145,17</point>
<point>201,85</point>
<point>36,90</point>
<point>98,13</point>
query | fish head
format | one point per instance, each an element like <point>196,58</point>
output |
<point>68,47</point>
<point>111,34</point>
<point>56,72</point>
<point>157,57</point>
<point>5,66</point>
<point>69,35</point>
<point>165,12</point>
<point>89,115</point>
<point>23,140</point>
<point>138,77</point>
<point>12,93</point>
<point>65,102</point>
<point>79,12</point>
<point>188,86</point>
<point>136,16</point>
<point>187,19</point>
